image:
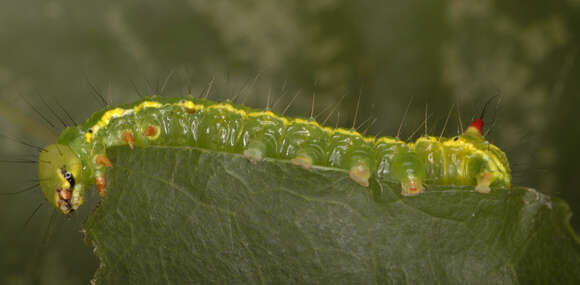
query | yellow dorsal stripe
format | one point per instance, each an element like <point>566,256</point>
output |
<point>119,112</point>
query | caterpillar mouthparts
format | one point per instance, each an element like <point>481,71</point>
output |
<point>78,159</point>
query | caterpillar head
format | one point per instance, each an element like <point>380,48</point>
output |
<point>59,172</point>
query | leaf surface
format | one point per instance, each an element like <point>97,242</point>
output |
<point>183,215</point>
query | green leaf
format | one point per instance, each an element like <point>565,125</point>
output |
<point>185,215</point>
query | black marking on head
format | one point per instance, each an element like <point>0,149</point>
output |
<point>455,139</point>
<point>90,131</point>
<point>68,176</point>
<point>66,198</point>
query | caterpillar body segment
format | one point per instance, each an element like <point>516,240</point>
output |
<point>80,152</point>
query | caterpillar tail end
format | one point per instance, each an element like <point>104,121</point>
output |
<point>412,187</point>
<point>360,173</point>
<point>303,161</point>
<point>483,182</point>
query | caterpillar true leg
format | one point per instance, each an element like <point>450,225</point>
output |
<point>128,138</point>
<point>102,160</point>
<point>101,184</point>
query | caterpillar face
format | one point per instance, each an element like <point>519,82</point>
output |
<point>59,172</point>
<point>79,160</point>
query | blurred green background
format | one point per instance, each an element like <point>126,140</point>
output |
<point>444,54</point>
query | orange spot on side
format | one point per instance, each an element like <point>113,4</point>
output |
<point>101,186</point>
<point>128,138</point>
<point>478,125</point>
<point>150,131</point>
<point>102,160</point>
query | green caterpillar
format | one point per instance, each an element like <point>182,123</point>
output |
<point>79,159</point>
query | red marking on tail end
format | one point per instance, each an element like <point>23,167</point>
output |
<point>478,124</point>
